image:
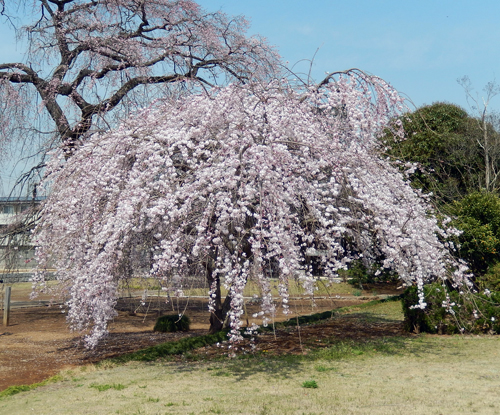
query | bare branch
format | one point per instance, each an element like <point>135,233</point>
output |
<point>88,57</point>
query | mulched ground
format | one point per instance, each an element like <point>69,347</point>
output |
<point>37,344</point>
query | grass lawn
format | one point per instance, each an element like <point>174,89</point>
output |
<point>398,375</point>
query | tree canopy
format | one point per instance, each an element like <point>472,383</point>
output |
<point>244,182</point>
<point>90,63</point>
<point>441,139</point>
<point>448,146</point>
<point>477,215</point>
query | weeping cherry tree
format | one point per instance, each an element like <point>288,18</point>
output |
<point>243,183</point>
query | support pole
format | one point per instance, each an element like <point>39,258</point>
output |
<point>6,307</point>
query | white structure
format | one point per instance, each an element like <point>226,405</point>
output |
<point>16,251</point>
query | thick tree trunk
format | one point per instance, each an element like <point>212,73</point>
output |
<point>219,315</point>
<point>218,318</point>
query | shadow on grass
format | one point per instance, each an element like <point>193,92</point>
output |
<point>171,348</point>
<point>371,318</point>
<point>358,333</point>
<point>281,367</point>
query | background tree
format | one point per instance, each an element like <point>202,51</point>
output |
<point>489,140</point>
<point>91,62</point>
<point>457,158</point>
<point>442,139</point>
<point>478,217</point>
<point>242,183</point>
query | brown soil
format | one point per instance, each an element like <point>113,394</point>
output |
<point>37,343</point>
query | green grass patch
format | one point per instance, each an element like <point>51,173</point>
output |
<point>323,368</point>
<point>310,384</point>
<point>325,315</point>
<point>172,348</point>
<point>105,387</point>
<point>13,390</point>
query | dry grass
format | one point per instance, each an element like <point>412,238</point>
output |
<point>136,286</point>
<point>418,375</point>
<point>323,288</point>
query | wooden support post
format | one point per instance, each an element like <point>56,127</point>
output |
<point>6,307</point>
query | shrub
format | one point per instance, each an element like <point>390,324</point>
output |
<point>359,274</point>
<point>466,312</point>
<point>478,217</point>
<point>490,280</point>
<point>172,323</point>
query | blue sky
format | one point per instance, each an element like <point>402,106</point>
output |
<point>420,47</point>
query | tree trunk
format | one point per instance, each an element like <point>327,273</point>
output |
<point>218,316</point>
<point>486,155</point>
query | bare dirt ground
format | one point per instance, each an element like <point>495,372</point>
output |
<point>38,344</point>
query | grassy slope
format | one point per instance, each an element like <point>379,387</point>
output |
<point>420,375</point>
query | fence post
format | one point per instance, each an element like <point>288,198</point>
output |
<point>6,307</point>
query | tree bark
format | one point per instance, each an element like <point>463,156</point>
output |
<point>219,315</point>
<point>486,154</point>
